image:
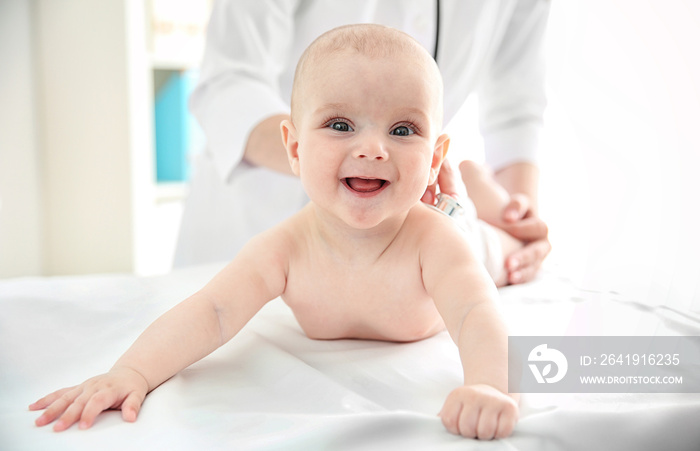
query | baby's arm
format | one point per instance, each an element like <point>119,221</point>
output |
<point>180,337</point>
<point>465,295</point>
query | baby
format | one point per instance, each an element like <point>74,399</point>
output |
<point>364,259</point>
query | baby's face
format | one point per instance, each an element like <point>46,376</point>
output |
<point>367,136</point>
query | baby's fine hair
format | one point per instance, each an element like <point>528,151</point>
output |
<point>370,40</point>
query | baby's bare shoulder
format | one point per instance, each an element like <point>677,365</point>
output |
<point>438,237</point>
<point>431,225</point>
<point>285,236</point>
<point>278,243</point>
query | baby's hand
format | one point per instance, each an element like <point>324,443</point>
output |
<point>121,388</point>
<point>479,411</point>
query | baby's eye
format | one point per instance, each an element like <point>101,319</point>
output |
<point>340,126</point>
<point>402,130</point>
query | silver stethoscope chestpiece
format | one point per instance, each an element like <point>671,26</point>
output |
<point>449,205</point>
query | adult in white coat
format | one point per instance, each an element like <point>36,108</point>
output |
<point>242,183</point>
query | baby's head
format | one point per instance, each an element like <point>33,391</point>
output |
<point>366,118</point>
<point>371,41</point>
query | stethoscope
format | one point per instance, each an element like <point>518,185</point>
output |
<point>445,203</point>
<point>437,29</point>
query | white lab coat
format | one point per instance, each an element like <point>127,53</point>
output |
<point>492,47</point>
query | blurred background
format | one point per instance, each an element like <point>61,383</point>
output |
<point>93,162</point>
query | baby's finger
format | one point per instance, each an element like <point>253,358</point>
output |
<point>506,423</point>
<point>98,403</point>
<point>131,406</point>
<point>48,399</point>
<point>450,415</point>
<point>58,406</point>
<point>487,424</point>
<point>71,415</point>
<point>469,420</point>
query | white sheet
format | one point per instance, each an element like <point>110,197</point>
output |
<point>273,388</point>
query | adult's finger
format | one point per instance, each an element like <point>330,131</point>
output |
<point>523,264</point>
<point>429,196</point>
<point>528,229</point>
<point>530,254</point>
<point>450,181</point>
<point>517,209</point>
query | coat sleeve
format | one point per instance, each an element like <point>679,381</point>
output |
<point>512,95</point>
<point>248,46</point>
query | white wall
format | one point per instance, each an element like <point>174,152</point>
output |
<point>77,185</point>
<point>620,161</point>
<point>85,130</point>
<point>21,242</point>
<point>623,150</point>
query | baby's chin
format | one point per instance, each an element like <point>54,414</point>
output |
<point>366,214</point>
<point>378,220</point>
<point>360,219</point>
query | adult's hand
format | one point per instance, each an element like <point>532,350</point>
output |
<point>449,181</point>
<point>522,223</point>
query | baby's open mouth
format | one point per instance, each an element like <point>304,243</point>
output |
<point>364,185</point>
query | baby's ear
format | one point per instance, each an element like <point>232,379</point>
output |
<point>291,143</point>
<point>439,153</point>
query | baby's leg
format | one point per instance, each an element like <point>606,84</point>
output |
<point>488,196</point>
<point>490,244</point>
<point>489,199</point>
<point>506,246</point>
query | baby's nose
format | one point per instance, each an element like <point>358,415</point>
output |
<point>372,150</point>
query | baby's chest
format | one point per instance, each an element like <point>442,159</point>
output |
<point>381,302</point>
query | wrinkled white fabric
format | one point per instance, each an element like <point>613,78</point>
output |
<point>273,388</point>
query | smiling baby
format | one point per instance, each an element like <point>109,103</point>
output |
<point>364,259</point>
